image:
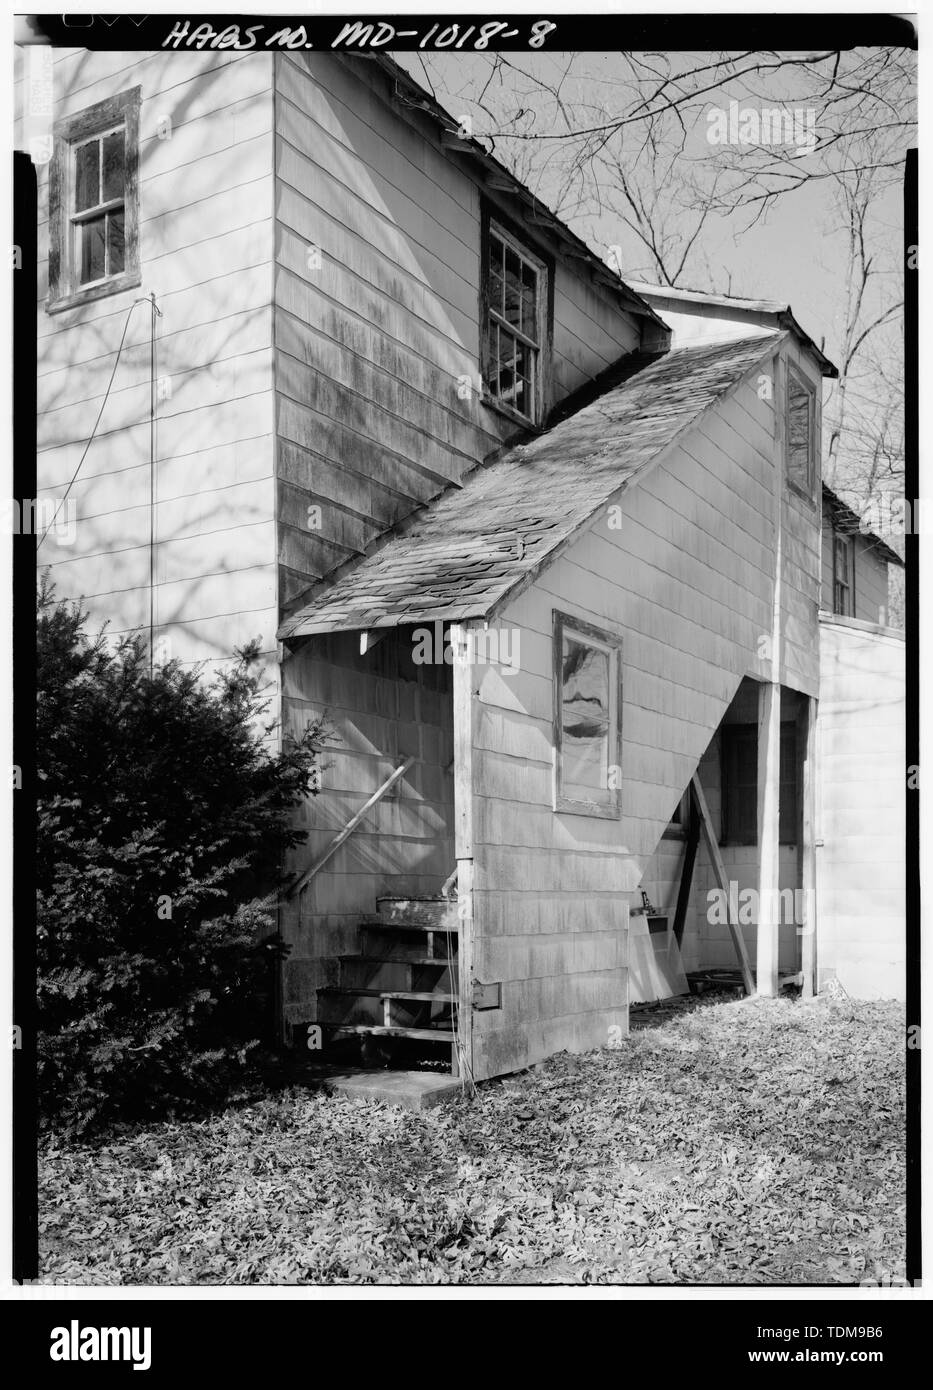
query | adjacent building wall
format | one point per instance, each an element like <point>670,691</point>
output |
<point>861,812</point>
<point>205,228</point>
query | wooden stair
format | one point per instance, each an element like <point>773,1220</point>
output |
<point>403,982</point>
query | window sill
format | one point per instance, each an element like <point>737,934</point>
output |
<point>802,493</point>
<point>131,280</point>
<point>508,413</point>
<point>564,807</point>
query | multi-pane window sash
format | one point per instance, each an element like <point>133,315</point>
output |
<point>842,575</point>
<point>98,213</point>
<point>515,283</point>
<point>94,202</point>
<point>801,433</point>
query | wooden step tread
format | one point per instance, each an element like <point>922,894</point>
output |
<point>390,924</point>
<point>343,990</point>
<point>380,1031</point>
<point>441,962</point>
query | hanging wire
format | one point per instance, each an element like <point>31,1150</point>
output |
<point>103,403</point>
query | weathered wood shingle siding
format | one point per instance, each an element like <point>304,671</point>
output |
<point>684,575</point>
<point>371,348</point>
<point>370,345</point>
<point>373,345</point>
<point>206,238</point>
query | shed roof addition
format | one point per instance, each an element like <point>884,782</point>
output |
<point>463,553</point>
<point>849,523</point>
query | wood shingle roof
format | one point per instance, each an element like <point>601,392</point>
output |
<point>463,553</point>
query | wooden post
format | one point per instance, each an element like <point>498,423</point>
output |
<point>769,775</point>
<point>463,702</point>
<point>686,877</point>
<point>719,869</point>
<point>808,857</point>
<point>769,730</point>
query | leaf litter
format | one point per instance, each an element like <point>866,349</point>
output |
<point>745,1142</point>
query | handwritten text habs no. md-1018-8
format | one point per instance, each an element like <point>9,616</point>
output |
<point>357,35</point>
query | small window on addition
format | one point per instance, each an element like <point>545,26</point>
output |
<point>740,785</point>
<point>93,203</point>
<point>515,329</point>
<point>587,719</point>
<point>843,574</point>
<point>677,825</point>
<point>800,433</point>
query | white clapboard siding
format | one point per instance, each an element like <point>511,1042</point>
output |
<point>861,811</point>
<point>206,184</point>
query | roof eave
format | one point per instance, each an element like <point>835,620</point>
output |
<point>836,504</point>
<point>492,166</point>
<point>788,322</point>
<point>781,313</point>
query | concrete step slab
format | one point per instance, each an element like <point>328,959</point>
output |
<point>413,1090</point>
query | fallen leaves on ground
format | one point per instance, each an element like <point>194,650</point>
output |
<point>758,1141</point>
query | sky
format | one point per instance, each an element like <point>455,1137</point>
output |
<point>796,254</point>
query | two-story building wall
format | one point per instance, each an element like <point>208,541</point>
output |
<point>162,183</point>
<point>538,565</point>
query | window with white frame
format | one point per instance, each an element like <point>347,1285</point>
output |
<point>515,299</point>
<point>93,207</point>
<point>587,718</point>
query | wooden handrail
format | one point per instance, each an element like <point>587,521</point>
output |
<point>300,884</point>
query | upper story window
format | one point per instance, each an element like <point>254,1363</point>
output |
<point>515,311</point>
<point>800,430</point>
<point>93,202</point>
<point>843,575</point>
<point>587,718</point>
